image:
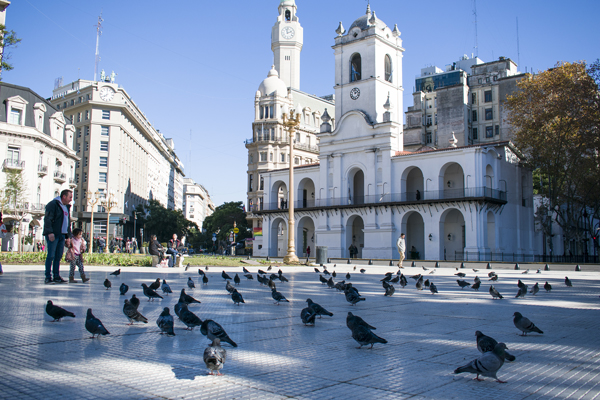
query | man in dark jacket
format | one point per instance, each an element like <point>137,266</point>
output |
<point>57,229</point>
<point>155,248</point>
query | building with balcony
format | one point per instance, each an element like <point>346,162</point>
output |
<point>197,204</point>
<point>38,142</point>
<point>120,151</point>
<point>367,188</point>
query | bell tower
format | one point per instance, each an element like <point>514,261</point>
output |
<point>286,42</point>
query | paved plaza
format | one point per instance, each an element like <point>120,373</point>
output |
<point>279,358</point>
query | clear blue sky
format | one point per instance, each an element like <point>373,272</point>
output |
<point>195,65</point>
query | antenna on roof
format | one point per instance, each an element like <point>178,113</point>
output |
<point>518,48</point>
<point>98,33</point>
<point>475,14</point>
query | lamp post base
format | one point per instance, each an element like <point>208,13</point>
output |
<point>291,259</point>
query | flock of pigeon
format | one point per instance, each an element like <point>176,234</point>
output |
<point>488,364</point>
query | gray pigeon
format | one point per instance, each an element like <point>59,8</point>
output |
<point>155,285</point>
<point>283,278</point>
<point>365,336</point>
<point>249,276</point>
<point>107,284</point>
<point>535,289</point>
<point>354,320</point>
<point>204,280</point>
<point>522,291</point>
<point>462,284</point>
<point>271,284</point>
<point>225,276</point>
<point>433,288</point>
<point>488,364</point>
<point>494,278</point>
<point>461,274</point>
<point>495,293</point>
<point>200,272</point>
<point>166,288</point>
<point>191,283</point>
<point>178,307</point>
<point>214,357</point>
<point>278,297</point>
<point>348,275</point>
<point>323,280</point>
<point>476,285</point>
<point>362,270</point>
<point>307,315</point>
<point>94,325</point>
<point>419,285</point>
<point>132,313</point>
<point>190,319</point>
<point>340,286</point>
<point>330,283</point>
<point>229,287</point>
<point>486,343</point>
<point>317,309</point>
<point>123,289</point>
<point>547,286</point>
<point>237,298</point>
<point>213,330</point>
<point>186,298</point>
<point>390,290</point>
<point>134,301</point>
<point>352,297</point>
<point>57,312</point>
<point>525,325</point>
<point>150,293</point>
<point>236,279</point>
<point>395,279</point>
<point>116,273</point>
<point>568,282</point>
<point>165,322</point>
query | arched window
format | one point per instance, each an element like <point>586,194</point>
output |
<point>288,15</point>
<point>388,68</point>
<point>355,68</point>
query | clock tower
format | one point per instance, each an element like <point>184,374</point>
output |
<point>286,43</point>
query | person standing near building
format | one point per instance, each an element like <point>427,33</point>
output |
<point>101,244</point>
<point>401,245</point>
<point>57,229</point>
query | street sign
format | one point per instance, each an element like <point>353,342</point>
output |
<point>214,235</point>
<point>214,239</point>
<point>236,230</point>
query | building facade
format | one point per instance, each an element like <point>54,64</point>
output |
<point>121,153</point>
<point>451,201</point>
<point>38,143</point>
<point>197,204</point>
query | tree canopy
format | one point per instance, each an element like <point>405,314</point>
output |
<point>163,222</point>
<point>221,223</point>
<point>7,39</point>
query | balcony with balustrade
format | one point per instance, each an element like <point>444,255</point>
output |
<point>60,177</point>
<point>42,170</point>
<point>10,164</point>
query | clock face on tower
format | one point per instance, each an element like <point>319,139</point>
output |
<point>287,32</point>
<point>355,93</point>
<point>107,93</point>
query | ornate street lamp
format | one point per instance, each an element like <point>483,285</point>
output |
<point>290,124</point>
<point>92,200</point>
<point>109,203</point>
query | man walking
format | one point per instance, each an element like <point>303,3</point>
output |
<point>401,245</point>
<point>57,229</point>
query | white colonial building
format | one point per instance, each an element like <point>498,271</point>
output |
<point>450,200</point>
<point>197,204</point>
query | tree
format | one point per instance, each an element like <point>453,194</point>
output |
<point>14,203</point>
<point>221,222</point>
<point>556,115</point>
<point>163,222</point>
<point>7,39</point>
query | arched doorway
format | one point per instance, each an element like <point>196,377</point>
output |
<point>356,186</point>
<point>413,184</point>
<point>355,235</point>
<point>279,196</point>
<point>306,193</point>
<point>278,238</point>
<point>452,181</point>
<point>491,231</point>
<point>305,237</point>
<point>452,234</point>
<point>414,228</point>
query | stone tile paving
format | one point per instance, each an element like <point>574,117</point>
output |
<point>279,358</point>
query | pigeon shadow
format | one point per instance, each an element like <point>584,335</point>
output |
<point>188,373</point>
<point>95,348</point>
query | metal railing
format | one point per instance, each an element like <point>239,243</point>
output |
<point>406,197</point>
<point>489,256</point>
<point>42,169</point>
<point>16,164</point>
<point>60,176</point>
<point>279,140</point>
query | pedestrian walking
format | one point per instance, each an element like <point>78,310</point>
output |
<point>57,230</point>
<point>3,235</point>
<point>101,244</point>
<point>307,251</point>
<point>75,255</point>
<point>401,245</point>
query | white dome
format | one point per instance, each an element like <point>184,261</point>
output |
<point>272,84</point>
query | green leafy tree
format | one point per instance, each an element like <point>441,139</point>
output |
<point>7,39</point>
<point>164,222</point>
<point>13,201</point>
<point>221,222</point>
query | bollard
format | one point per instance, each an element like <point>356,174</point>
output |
<point>577,268</point>
<point>437,264</point>
<point>547,268</point>
<point>348,261</point>
<point>370,262</point>
<point>489,266</point>
<point>267,258</point>
<point>329,261</point>
<point>517,267</point>
<point>412,264</point>
<point>391,263</point>
<point>321,265</point>
<point>462,265</point>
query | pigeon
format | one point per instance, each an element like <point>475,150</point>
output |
<point>354,269</point>
<point>475,270</point>
<point>491,273</point>
<point>568,282</point>
<point>389,291</point>
<point>307,315</point>
<point>547,286</point>
<point>186,298</point>
<point>214,357</point>
<point>155,285</point>
<point>166,288</point>
<point>325,272</point>
<point>525,272</point>
<point>107,284</point>
<point>419,285</point>
<point>317,309</point>
<point>190,283</point>
<point>57,312</point>
<point>395,279</point>
<point>116,273</point>
<point>354,320</point>
<point>486,343</point>
<point>249,276</point>
<point>268,269</point>
<point>365,336</point>
<point>462,284</point>
<point>260,279</point>
<point>495,293</point>
<point>476,279</point>
<point>476,285</point>
<point>278,297</point>
<point>494,278</point>
<point>322,279</point>
<point>362,270</point>
<point>426,283</point>
<point>123,289</point>
<point>333,274</point>
<point>229,287</point>
<point>200,272</point>
<point>416,277</point>
<point>461,274</point>
<point>225,276</point>
<point>187,267</point>
<point>385,284</point>
<point>317,270</point>
<point>274,276</point>
<point>205,280</point>
<point>237,297</point>
<point>330,283</point>
<point>236,279</point>
<point>283,278</point>
<point>387,278</point>
<point>352,297</point>
<point>213,330</point>
<point>132,313</point>
<point>520,284</point>
<point>150,293</point>
<point>177,308</point>
<point>245,270</point>
<point>206,267</point>
<point>340,286</point>
<point>348,275</point>
<point>260,271</point>
<point>165,322</point>
<point>271,284</point>
<point>190,319</point>
<point>525,325</point>
<point>433,288</point>
<point>134,301</point>
<point>488,364</point>
<point>432,272</point>
<point>94,325</point>
<point>425,269</point>
<point>535,289</point>
<point>403,281</point>
<point>522,291</point>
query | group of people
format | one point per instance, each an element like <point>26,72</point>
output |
<point>174,249</point>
